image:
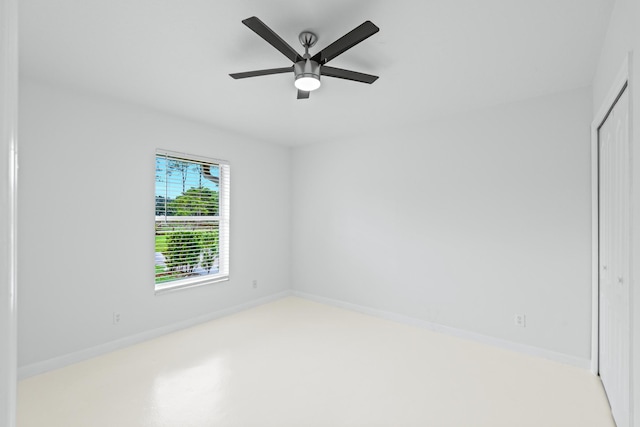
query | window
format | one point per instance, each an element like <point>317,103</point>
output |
<point>191,220</point>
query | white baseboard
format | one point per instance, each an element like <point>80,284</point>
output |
<point>71,358</point>
<point>78,356</point>
<point>460,333</point>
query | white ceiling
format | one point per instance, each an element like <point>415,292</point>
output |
<point>434,57</point>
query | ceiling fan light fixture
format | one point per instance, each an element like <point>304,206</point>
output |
<point>306,68</point>
<point>307,73</point>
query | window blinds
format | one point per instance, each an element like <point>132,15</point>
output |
<point>191,220</point>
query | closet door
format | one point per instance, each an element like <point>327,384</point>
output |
<point>614,340</point>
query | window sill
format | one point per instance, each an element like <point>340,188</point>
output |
<point>165,289</point>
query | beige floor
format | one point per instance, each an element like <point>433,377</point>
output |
<point>298,363</point>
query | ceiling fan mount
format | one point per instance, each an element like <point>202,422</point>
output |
<point>307,69</point>
<point>307,40</point>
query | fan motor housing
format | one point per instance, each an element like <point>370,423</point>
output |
<point>306,68</point>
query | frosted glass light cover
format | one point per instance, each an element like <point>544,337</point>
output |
<point>307,84</point>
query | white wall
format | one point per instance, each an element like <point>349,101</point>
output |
<point>463,222</point>
<point>623,36</point>
<point>8,147</point>
<point>86,220</point>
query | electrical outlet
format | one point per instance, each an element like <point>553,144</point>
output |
<point>520,320</point>
<point>255,284</point>
<point>116,317</point>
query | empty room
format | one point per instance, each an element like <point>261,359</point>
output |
<point>336,213</point>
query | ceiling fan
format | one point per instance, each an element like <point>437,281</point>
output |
<point>306,68</point>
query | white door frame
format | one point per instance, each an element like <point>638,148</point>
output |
<point>8,204</point>
<point>621,80</point>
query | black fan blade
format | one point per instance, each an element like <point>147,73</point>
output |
<point>347,75</point>
<point>261,72</point>
<point>303,94</point>
<point>346,42</point>
<point>261,29</point>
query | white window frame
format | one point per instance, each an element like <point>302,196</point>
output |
<point>224,186</point>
